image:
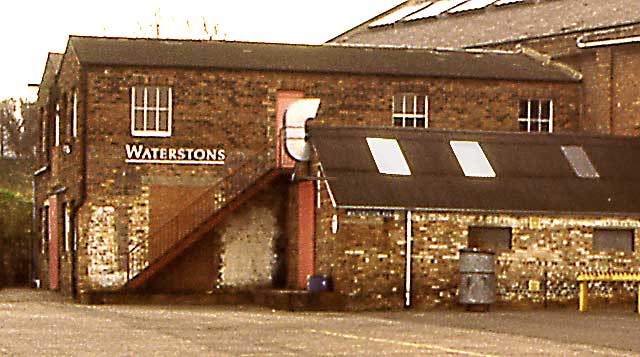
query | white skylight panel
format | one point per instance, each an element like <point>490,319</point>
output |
<point>434,9</point>
<point>506,2</point>
<point>472,160</point>
<point>472,5</point>
<point>388,156</point>
<point>399,14</point>
<point>579,161</point>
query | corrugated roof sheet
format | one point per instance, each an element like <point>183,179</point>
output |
<point>532,173</point>
<point>497,24</point>
<point>313,58</point>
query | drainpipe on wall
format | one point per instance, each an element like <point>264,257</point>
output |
<point>407,274</point>
<point>34,230</point>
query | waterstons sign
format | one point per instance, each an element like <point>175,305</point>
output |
<point>141,154</point>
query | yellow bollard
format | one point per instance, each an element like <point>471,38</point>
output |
<point>583,296</point>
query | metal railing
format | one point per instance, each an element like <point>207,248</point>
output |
<point>205,206</point>
<point>585,278</point>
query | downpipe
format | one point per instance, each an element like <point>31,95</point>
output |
<point>407,273</point>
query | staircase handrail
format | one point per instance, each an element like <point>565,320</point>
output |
<point>214,199</point>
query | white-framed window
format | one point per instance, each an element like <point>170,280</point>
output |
<point>44,228</point>
<point>410,110</point>
<point>68,228</point>
<point>74,115</point>
<point>57,124</point>
<point>536,115</point>
<point>151,111</point>
<point>43,131</point>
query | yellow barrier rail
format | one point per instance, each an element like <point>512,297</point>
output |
<point>585,278</point>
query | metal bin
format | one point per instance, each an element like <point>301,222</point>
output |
<point>477,278</point>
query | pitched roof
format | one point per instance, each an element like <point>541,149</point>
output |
<point>54,60</point>
<point>498,24</point>
<point>532,173</point>
<point>314,58</point>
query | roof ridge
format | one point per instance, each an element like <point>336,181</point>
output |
<point>188,40</point>
<point>547,60</point>
<point>395,61</point>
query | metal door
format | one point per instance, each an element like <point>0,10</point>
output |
<point>306,231</point>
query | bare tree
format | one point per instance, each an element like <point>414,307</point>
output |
<point>30,125</point>
<point>18,123</point>
<point>196,28</point>
<point>9,127</point>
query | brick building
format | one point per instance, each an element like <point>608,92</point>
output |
<point>550,207</point>
<point>598,38</point>
<point>163,165</point>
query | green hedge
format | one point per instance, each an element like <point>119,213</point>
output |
<point>15,214</point>
<point>15,231</point>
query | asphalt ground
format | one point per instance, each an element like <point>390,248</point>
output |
<point>41,323</point>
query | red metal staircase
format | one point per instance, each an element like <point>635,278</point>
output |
<point>205,212</point>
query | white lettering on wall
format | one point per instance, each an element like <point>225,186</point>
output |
<point>140,154</point>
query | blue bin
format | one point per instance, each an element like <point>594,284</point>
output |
<point>319,283</point>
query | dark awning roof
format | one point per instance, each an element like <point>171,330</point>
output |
<point>313,58</point>
<point>532,173</point>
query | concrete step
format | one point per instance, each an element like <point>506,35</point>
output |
<point>289,300</point>
<point>300,300</point>
<point>129,298</point>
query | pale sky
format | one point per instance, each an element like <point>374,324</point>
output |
<point>29,29</point>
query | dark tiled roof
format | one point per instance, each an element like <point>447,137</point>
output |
<point>532,174</point>
<point>54,60</point>
<point>497,24</point>
<point>308,58</point>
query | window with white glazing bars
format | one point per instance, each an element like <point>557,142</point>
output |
<point>411,111</point>
<point>536,116</point>
<point>151,111</point>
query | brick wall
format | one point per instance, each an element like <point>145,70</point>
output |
<point>609,101</point>
<point>367,257</point>
<point>63,176</point>
<point>234,110</point>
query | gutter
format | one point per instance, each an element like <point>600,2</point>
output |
<point>492,211</point>
<point>553,34</point>
<point>611,42</point>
